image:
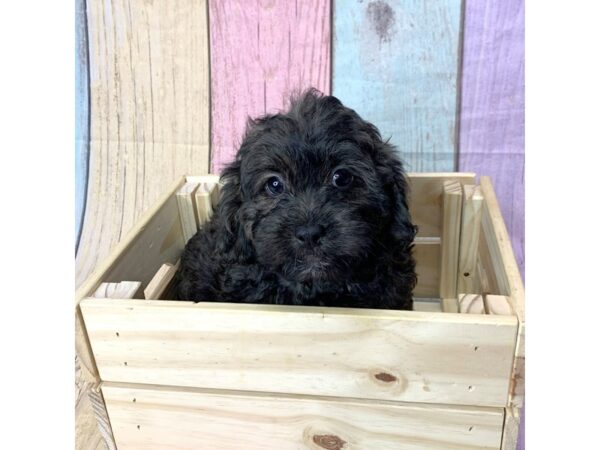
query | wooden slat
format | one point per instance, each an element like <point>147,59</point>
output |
<point>87,432</point>
<point>156,237</point>
<point>419,357</point>
<point>509,278</point>
<point>471,304</point>
<point>452,206</point>
<point>426,199</point>
<point>188,214</point>
<point>124,289</point>
<point>149,100</point>
<point>469,238</point>
<point>427,305</point>
<point>162,418</point>
<point>450,305</point>
<point>160,282</point>
<point>428,270</point>
<point>396,63</point>
<point>498,305</point>
<point>510,432</point>
<point>82,115</point>
<point>260,53</point>
<point>204,198</point>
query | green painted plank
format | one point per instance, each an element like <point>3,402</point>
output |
<point>396,62</point>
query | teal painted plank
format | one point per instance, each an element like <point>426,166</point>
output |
<point>396,63</point>
<point>82,114</point>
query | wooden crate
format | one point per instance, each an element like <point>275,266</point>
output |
<point>448,375</point>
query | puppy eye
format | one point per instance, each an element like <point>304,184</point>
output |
<point>341,178</point>
<point>274,186</point>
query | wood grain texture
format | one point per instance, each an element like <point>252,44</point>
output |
<point>452,220</point>
<point>492,106</point>
<point>124,289</point>
<point>82,115</point>
<point>188,212</point>
<point>396,63</point>
<point>160,282</point>
<point>426,199</point>
<point>420,357</point>
<point>471,304</point>
<point>469,239</point>
<point>261,52</point>
<point>149,92</point>
<point>166,418</point>
<point>503,259</point>
<point>427,257</point>
<point>156,237</point>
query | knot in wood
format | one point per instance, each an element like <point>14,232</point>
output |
<point>329,441</point>
<point>386,377</point>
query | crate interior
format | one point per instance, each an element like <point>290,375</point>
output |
<point>452,247</point>
<point>158,356</point>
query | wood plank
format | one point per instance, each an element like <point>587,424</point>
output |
<point>205,196</point>
<point>157,238</point>
<point>161,418</point>
<point>304,350</point>
<point>124,289</point>
<point>149,100</point>
<point>427,305</point>
<point>492,113</point>
<point>503,258</point>
<point>506,269</point>
<point>469,238</point>
<point>452,207</point>
<point>261,52</point>
<point>471,304</point>
<point>510,432</point>
<point>450,305</point>
<point>426,197</point>
<point>498,305</point>
<point>396,63</point>
<point>161,281</point>
<point>87,432</point>
<point>428,270</point>
<point>82,115</point>
<point>188,214</point>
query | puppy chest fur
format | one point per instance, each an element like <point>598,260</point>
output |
<point>313,212</point>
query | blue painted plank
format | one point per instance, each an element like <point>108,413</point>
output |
<point>82,112</point>
<point>396,63</point>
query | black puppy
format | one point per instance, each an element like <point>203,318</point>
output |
<point>313,212</point>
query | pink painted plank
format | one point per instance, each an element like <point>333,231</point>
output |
<point>492,119</point>
<point>261,52</point>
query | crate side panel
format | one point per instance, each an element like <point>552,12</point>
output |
<point>427,257</point>
<point>391,355</point>
<point>163,418</point>
<point>426,199</point>
<point>160,241</point>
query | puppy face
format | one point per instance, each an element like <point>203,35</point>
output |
<point>315,192</point>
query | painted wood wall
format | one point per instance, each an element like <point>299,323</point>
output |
<point>165,88</point>
<point>396,63</point>
<point>492,113</point>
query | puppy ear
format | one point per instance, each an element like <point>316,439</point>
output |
<point>231,196</point>
<point>395,183</point>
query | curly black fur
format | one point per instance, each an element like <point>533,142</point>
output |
<point>250,251</point>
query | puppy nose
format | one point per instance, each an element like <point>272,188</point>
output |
<point>309,234</point>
